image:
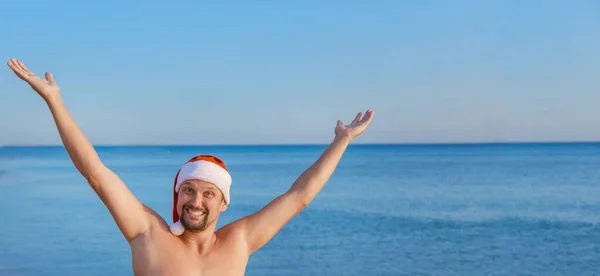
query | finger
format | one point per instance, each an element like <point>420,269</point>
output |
<point>357,118</point>
<point>49,77</point>
<point>16,69</point>
<point>23,67</point>
<point>12,63</point>
<point>368,117</point>
<point>340,123</point>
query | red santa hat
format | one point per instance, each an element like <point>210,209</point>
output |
<point>202,167</point>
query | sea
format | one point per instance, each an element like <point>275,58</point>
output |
<point>410,209</point>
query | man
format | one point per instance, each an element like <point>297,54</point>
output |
<point>191,245</point>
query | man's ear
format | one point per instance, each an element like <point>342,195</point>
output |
<point>223,205</point>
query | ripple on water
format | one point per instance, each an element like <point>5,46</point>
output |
<point>353,242</point>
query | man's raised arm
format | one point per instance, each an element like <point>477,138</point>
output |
<point>129,214</point>
<point>260,227</point>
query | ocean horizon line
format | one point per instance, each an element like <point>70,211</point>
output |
<point>474,143</point>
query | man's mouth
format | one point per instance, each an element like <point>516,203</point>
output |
<point>195,213</point>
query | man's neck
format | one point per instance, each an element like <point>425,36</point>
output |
<point>201,242</point>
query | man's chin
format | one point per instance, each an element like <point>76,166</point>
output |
<point>192,219</point>
<point>196,225</point>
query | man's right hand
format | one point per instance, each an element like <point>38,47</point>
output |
<point>45,88</point>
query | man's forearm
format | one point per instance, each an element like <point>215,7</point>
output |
<point>310,183</point>
<point>80,150</point>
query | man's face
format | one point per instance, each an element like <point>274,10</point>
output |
<point>199,204</point>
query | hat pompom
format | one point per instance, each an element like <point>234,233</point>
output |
<point>176,228</point>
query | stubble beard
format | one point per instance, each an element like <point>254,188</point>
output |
<point>190,226</point>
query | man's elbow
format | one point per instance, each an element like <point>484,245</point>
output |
<point>90,169</point>
<point>96,176</point>
<point>301,199</point>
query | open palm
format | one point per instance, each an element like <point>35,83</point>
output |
<point>45,88</point>
<point>356,127</point>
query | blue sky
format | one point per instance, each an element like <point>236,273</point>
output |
<point>278,72</point>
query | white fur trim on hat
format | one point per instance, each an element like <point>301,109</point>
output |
<point>206,171</point>
<point>177,228</point>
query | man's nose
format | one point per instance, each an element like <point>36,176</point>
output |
<point>197,200</point>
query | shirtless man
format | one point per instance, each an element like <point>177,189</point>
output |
<point>192,245</point>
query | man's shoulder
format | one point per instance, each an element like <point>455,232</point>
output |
<point>232,236</point>
<point>233,231</point>
<point>154,216</point>
<point>157,223</point>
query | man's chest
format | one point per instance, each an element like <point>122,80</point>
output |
<point>167,259</point>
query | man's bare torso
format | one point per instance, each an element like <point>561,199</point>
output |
<point>158,252</point>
